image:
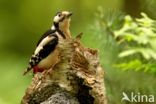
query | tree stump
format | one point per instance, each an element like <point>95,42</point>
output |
<point>77,78</point>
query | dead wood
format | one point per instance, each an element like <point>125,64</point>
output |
<point>78,78</point>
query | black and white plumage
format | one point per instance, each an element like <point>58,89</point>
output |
<point>46,53</point>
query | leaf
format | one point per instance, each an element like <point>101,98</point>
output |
<point>127,53</point>
<point>131,65</point>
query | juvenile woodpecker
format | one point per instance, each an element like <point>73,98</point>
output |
<point>46,53</point>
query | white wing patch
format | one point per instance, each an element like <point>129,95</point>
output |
<point>43,43</point>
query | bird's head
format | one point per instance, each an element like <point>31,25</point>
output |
<point>62,19</point>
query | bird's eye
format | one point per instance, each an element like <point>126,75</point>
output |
<point>59,15</point>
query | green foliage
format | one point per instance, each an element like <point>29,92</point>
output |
<point>137,39</point>
<point>133,76</point>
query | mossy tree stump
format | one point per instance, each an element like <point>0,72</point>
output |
<point>77,78</point>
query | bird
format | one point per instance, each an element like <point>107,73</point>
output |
<point>46,53</point>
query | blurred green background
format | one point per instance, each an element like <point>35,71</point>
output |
<point>23,22</point>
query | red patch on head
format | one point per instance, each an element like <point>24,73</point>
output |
<point>37,69</point>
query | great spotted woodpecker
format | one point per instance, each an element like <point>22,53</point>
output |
<point>46,53</point>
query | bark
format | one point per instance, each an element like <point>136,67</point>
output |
<point>77,78</point>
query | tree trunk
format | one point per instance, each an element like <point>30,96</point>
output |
<point>77,78</point>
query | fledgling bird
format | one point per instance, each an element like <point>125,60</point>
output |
<point>46,53</point>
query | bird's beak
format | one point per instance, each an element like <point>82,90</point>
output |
<point>69,14</point>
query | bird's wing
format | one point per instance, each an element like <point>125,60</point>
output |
<point>45,35</point>
<point>48,47</point>
<point>44,48</point>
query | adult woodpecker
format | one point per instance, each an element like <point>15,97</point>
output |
<point>46,53</point>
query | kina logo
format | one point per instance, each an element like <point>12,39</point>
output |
<point>137,97</point>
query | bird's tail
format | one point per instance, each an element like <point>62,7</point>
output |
<point>27,70</point>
